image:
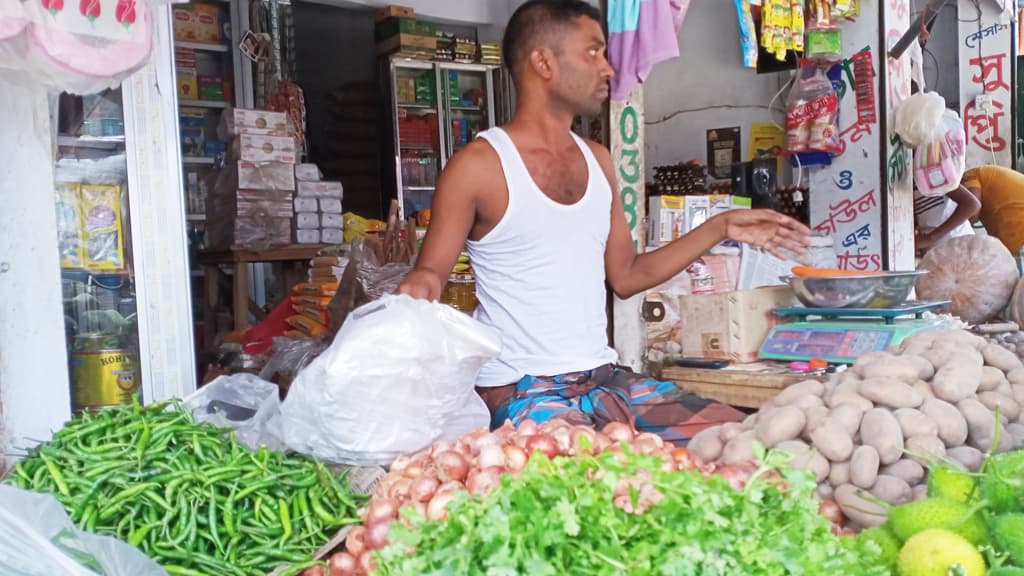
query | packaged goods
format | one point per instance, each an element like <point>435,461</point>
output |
<point>238,121</point>
<point>260,148</point>
<point>307,236</point>
<point>307,220</point>
<point>103,234</point>
<point>305,204</point>
<point>324,189</point>
<point>307,172</point>
<point>331,221</point>
<point>330,206</point>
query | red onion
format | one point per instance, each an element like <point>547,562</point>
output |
<point>490,455</point>
<point>400,463</point>
<point>437,509</point>
<point>619,432</point>
<point>601,442</point>
<point>439,447</point>
<point>451,486</point>
<point>377,535</point>
<point>483,481</point>
<point>382,509</point>
<point>355,542</point>
<point>563,439</point>
<point>544,443</point>
<point>526,428</point>
<point>831,511</point>
<point>423,488</point>
<point>648,444</point>
<point>367,565</point>
<point>400,489</point>
<point>451,466</point>
<point>488,439</point>
<point>342,564</point>
<point>414,469</point>
<point>505,431</point>
<point>583,440</point>
<point>515,458</point>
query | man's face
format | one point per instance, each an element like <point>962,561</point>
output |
<point>581,82</point>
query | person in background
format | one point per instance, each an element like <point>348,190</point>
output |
<point>940,217</point>
<point>537,209</point>
<point>1001,194</point>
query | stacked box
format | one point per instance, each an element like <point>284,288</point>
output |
<point>406,36</point>
<point>318,212</point>
<point>252,201</point>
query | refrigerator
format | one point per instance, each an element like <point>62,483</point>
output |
<point>95,284</point>
<point>435,109</point>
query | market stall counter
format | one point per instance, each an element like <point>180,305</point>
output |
<point>239,259</point>
<point>739,385</point>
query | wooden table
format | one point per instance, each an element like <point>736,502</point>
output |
<point>746,387</point>
<point>239,259</point>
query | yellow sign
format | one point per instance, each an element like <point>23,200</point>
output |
<point>766,139</point>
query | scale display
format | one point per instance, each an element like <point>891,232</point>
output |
<point>839,341</point>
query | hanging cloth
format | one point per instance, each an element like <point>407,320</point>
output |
<point>641,33</point>
<point>82,46</point>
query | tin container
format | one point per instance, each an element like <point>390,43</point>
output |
<point>101,378</point>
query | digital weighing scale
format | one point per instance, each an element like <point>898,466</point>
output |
<point>841,335</point>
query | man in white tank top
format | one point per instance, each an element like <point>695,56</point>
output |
<point>535,207</point>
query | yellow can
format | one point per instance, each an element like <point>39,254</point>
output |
<point>103,378</point>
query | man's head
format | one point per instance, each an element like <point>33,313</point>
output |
<point>558,46</point>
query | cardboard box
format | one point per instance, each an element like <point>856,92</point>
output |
<point>725,202</point>
<point>664,219</point>
<point>307,172</point>
<point>394,11</point>
<point>330,205</point>
<point>307,236</point>
<point>332,235</point>
<point>249,176</point>
<point>408,43</point>
<point>305,204</point>
<point>332,221</point>
<point>307,220</point>
<point>387,28</point>
<point>184,23</point>
<point>258,148</point>
<point>732,325</point>
<point>207,23</point>
<point>237,121</point>
<point>188,83</point>
<point>697,210</point>
<point>324,189</point>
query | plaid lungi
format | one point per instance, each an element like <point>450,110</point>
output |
<point>614,394</point>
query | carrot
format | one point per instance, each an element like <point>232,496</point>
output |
<point>812,272</point>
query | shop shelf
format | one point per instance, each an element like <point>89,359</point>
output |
<point>202,46</point>
<point>201,160</point>
<point>204,103</point>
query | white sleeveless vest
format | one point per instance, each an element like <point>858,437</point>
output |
<point>540,275</point>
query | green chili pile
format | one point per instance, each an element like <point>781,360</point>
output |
<point>188,494</point>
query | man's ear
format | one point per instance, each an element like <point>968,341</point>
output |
<point>542,61</point>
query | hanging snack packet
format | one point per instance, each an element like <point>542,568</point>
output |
<point>812,112</point>
<point>103,235</point>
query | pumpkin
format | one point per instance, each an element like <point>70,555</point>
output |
<point>1016,311</point>
<point>976,273</point>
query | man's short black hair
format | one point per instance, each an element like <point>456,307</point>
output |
<point>535,19</point>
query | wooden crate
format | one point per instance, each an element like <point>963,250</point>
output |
<point>746,387</point>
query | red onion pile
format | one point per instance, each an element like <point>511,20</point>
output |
<point>430,479</point>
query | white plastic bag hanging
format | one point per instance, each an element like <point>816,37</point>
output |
<point>247,403</point>
<point>37,538</point>
<point>939,163</point>
<point>398,376</point>
<point>918,118</point>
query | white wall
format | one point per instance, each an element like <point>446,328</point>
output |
<point>468,11</point>
<point>706,87</point>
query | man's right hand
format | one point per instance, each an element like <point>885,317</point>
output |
<point>422,284</point>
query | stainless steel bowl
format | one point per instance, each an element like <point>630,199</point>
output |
<point>883,290</point>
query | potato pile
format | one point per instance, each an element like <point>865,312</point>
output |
<point>1012,341</point>
<point>876,427</point>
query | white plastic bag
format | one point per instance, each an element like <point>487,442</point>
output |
<point>939,163</point>
<point>398,376</point>
<point>247,403</point>
<point>918,118</point>
<point>38,539</point>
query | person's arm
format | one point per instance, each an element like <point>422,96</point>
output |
<point>629,273</point>
<point>452,214</point>
<point>967,206</point>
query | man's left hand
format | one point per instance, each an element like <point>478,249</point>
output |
<point>767,229</point>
